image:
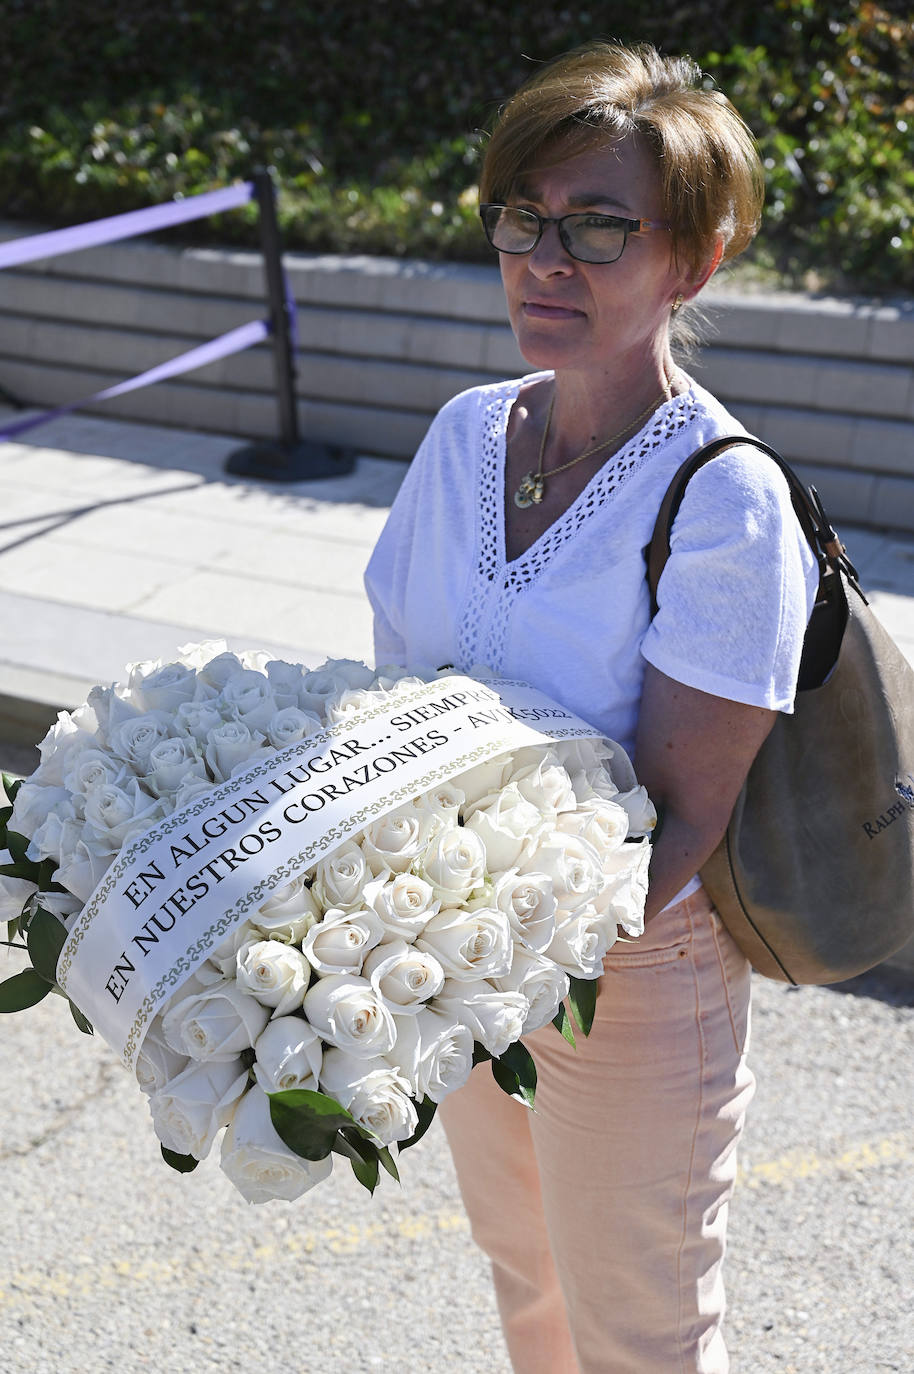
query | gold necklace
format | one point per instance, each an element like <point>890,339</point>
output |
<point>532,487</point>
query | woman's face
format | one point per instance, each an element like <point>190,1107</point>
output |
<point>576,315</point>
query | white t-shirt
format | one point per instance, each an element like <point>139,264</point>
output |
<point>571,615</point>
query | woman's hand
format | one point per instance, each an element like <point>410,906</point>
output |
<point>693,752</point>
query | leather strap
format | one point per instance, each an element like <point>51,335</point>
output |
<point>816,526</point>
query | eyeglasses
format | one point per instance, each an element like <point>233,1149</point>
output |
<point>588,237</point>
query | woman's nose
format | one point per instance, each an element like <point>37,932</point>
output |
<point>549,257</point>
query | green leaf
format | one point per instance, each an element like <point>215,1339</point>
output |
<point>388,1161</point>
<point>361,1153</point>
<point>11,785</point>
<point>84,1024</point>
<point>46,938</point>
<point>564,1025</point>
<point>582,998</point>
<point>12,928</point>
<point>515,1073</point>
<point>307,1121</point>
<point>184,1164</point>
<point>23,990</point>
<point>425,1110</point>
<point>480,1054</point>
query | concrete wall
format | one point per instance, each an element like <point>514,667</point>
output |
<point>384,342</point>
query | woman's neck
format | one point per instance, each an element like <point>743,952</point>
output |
<point>587,409</point>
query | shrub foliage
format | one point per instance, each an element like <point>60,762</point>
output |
<point>372,113</point>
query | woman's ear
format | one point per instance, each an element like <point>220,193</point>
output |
<point>695,285</point>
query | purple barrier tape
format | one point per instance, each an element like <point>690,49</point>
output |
<point>232,342</point>
<point>17,251</point>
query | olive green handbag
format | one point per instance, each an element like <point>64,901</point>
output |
<point>814,877</point>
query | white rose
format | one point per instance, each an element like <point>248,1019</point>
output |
<point>483,780</point>
<point>63,905</point>
<point>581,941</point>
<point>82,868</point>
<point>604,824</point>
<point>288,1054</point>
<point>165,688</point>
<point>290,724</point>
<point>509,827</point>
<point>394,843</point>
<point>335,676</point>
<point>214,1023</point>
<point>34,804</point>
<point>405,904</point>
<point>189,1111</point>
<point>274,973</point>
<point>572,864</point>
<point>247,696</point>
<point>89,768</point>
<point>157,1063</point>
<point>57,834</point>
<point>339,879</point>
<point>541,981</point>
<point>346,1011</point>
<point>132,740</point>
<point>222,962</point>
<point>439,809</point>
<point>376,1094</point>
<point>339,942</point>
<point>258,1161</point>
<point>219,670</point>
<point>469,944</point>
<point>405,977</point>
<point>289,914</point>
<point>529,903</point>
<point>494,1016</point>
<point>169,763</point>
<point>434,1053</point>
<point>73,732</point>
<point>454,863</point>
<point>229,745</point>
<point>285,682</point>
<point>546,785</point>
<point>581,755</point>
<point>115,815</point>
<point>350,703</point>
<point>197,654</point>
<point>625,893</point>
<point>197,718</point>
<point>14,893</point>
<point>642,817</point>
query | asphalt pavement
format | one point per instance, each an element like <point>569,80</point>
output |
<point>120,542</point>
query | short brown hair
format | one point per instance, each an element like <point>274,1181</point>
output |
<point>710,173</point>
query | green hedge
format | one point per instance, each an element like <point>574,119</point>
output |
<point>373,114</point>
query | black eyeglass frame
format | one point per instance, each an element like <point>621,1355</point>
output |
<point>628,226</point>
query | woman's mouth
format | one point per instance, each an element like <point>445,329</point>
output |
<point>541,310</point>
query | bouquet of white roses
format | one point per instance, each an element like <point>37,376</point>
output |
<point>302,904</point>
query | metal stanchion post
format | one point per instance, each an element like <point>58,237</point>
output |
<point>289,458</point>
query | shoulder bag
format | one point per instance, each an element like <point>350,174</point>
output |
<point>814,877</point>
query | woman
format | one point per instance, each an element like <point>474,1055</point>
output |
<point>613,187</point>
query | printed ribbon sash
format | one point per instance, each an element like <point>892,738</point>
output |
<point>176,892</point>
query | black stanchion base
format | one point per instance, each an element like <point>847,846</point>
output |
<point>301,462</point>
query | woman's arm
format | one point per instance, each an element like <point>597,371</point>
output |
<point>692,753</point>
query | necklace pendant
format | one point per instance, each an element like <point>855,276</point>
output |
<point>539,489</point>
<point>525,494</point>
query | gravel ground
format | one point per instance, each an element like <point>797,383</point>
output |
<point>112,1262</point>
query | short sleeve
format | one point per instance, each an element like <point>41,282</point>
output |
<point>737,592</point>
<point>388,569</point>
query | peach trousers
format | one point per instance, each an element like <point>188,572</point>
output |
<point>604,1211</point>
